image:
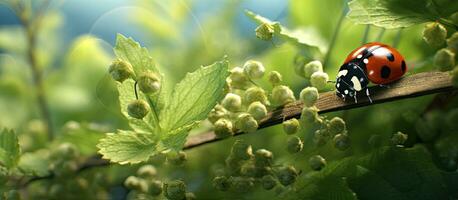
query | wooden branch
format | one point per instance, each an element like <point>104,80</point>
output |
<point>408,87</point>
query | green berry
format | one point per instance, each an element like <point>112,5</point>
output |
<point>155,188</point>
<point>434,34</point>
<point>241,150</point>
<point>337,125</point>
<point>232,102</point>
<point>221,183</point>
<point>254,94</point>
<point>319,80</point>
<point>341,141</point>
<point>309,114</point>
<point>312,67</point>
<point>444,59</point>
<point>452,42</point>
<point>282,95</point>
<point>309,96</point>
<point>135,183</point>
<point>263,158</point>
<point>287,175</point>
<point>242,184</point>
<point>238,78</point>
<point>147,171</point>
<point>217,113</point>
<point>317,162</point>
<point>223,128</point>
<point>65,151</point>
<point>190,196</point>
<point>268,182</point>
<point>257,110</point>
<point>320,137</point>
<point>176,158</point>
<point>138,109</point>
<point>399,138</point>
<point>253,69</point>
<point>294,144</point>
<point>265,31</point>
<point>175,190</point>
<point>149,83</point>
<point>120,70</point>
<point>275,78</point>
<point>291,126</point>
<point>246,123</point>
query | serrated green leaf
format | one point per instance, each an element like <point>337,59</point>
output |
<point>294,37</point>
<point>127,147</point>
<point>176,139</point>
<point>9,148</point>
<point>84,138</point>
<point>35,163</point>
<point>195,96</point>
<point>328,188</point>
<point>392,13</point>
<point>129,50</point>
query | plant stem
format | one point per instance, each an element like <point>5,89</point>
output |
<point>397,38</point>
<point>335,35</point>
<point>366,34</point>
<point>380,35</point>
<point>31,28</point>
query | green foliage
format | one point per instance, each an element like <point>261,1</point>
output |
<point>9,149</point>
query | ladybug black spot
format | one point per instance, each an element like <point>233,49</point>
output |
<point>390,57</point>
<point>403,66</point>
<point>385,72</point>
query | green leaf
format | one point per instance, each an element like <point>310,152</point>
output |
<point>129,50</point>
<point>298,38</point>
<point>392,13</point>
<point>195,96</point>
<point>127,147</point>
<point>9,148</point>
<point>84,138</point>
<point>328,188</point>
<point>35,164</point>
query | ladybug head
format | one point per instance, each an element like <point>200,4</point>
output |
<point>350,80</point>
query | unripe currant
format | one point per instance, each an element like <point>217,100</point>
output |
<point>238,78</point>
<point>149,83</point>
<point>444,59</point>
<point>147,171</point>
<point>320,137</point>
<point>176,158</point>
<point>341,141</point>
<point>309,96</point>
<point>190,196</point>
<point>217,113</point>
<point>254,94</point>
<point>253,69</point>
<point>312,67</point>
<point>291,126</point>
<point>257,110</point>
<point>275,78</point>
<point>336,125</point>
<point>399,138</point>
<point>295,144</point>
<point>232,102</point>
<point>317,162</point>
<point>221,183</point>
<point>155,187</point>
<point>65,151</point>
<point>434,34</point>
<point>246,123</point>
<point>287,175</point>
<point>242,184</point>
<point>175,190</point>
<point>263,158</point>
<point>223,128</point>
<point>138,109</point>
<point>268,182</point>
<point>319,80</point>
<point>309,114</point>
<point>452,42</point>
<point>282,95</point>
<point>241,150</point>
<point>120,70</point>
<point>135,183</point>
<point>265,31</point>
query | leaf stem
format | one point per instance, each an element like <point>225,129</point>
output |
<point>397,38</point>
<point>366,34</point>
<point>380,35</point>
<point>135,90</point>
<point>335,35</point>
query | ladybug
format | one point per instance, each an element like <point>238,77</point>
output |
<point>373,62</point>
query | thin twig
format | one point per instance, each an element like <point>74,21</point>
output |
<point>366,34</point>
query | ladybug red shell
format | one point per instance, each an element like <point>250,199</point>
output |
<point>373,62</point>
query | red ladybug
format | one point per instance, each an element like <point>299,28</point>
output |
<point>374,62</point>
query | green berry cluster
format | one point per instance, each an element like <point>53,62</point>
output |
<point>313,72</point>
<point>246,169</point>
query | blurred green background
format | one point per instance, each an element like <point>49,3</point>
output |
<point>75,49</point>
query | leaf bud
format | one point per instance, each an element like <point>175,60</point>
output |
<point>312,67</point>
<point>434,34</point>
<point>265,31</point>
<point>120,70</point>
<point>319,80</point>
<point>138,109</point>
<point>309,96</point>
<point>444,59</point>
<point>253,69</point>
<point>317,162</point>
<point>254,94</point>
<point>282,95</point>
<point>291,126</point>
<point>275,78</point>
<point>232,102</point>
<point>257,110</point>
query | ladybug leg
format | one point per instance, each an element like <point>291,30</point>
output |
<point>368,95</point>
<point>356,100</point>
<point>384,86</point>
